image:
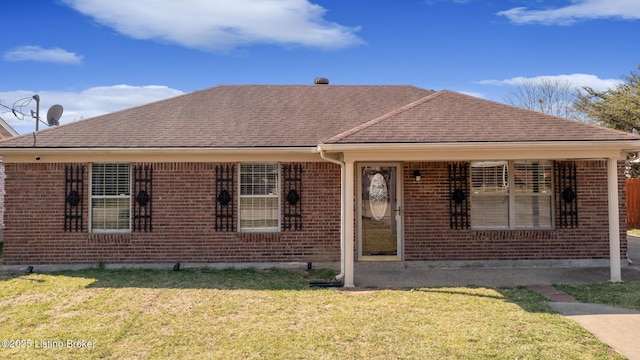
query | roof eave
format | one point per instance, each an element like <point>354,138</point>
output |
<point>182,154</point>
<point>467,151</point>
<point>462,151</point>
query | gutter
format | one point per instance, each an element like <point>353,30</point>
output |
<point>64,155</point>
<point>486,151</point>
<point>159,150</point>
<point>343,180</point>
<point>621,144</point>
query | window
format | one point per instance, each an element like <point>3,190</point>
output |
<point>110,198</point>
<point>526,204</point>
<point>259,200</point>
<point>490,194</point>
<point>533,194</point>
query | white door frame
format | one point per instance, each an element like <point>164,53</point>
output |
<point>399,211</point>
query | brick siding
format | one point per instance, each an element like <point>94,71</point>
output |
<point>428,236</point>
<point>184,219</point>
<point>1,199</point>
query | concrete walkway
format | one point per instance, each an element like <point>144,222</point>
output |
<point>633,249</point>
<point>390,276</point>
<point>618,328</point>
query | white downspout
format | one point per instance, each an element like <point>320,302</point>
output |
<point>343,180</point>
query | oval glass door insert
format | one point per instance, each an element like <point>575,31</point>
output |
<point>378,196</point>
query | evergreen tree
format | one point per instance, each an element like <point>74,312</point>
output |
<point>617,108</point>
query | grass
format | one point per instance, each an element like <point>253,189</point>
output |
<point>527,299</point>
<point>247,314</point>
<point>625,295</point>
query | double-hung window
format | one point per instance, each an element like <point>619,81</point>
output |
<point>259,197</point>
<point>511,195</point>
<point>110,198</point>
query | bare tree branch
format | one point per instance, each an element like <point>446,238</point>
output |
<point>546,95</point>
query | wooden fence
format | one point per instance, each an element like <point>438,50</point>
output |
<point>633,203</point>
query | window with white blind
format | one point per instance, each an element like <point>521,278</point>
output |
<point>110,198</point>
<point>511,195</point>
<point>259,197</point>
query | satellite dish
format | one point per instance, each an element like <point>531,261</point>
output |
<point>54,114</point>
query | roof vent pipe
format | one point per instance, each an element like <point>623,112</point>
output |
<point>321,81</point>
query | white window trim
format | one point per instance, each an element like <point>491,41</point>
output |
<point>91,197</point>
<point>277,197</point>
<point>511,195</point>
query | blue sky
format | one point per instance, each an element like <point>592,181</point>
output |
<point>96,56</point>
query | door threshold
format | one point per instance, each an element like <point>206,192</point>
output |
<point>379,258</point>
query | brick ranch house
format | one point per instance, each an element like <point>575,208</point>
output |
<point>290,174</point>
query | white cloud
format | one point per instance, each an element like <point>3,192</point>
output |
<point>37,53</point>
<point>80,105</point>
<point>576,11</point>
<point>221,25</point>
<point>577,80</point>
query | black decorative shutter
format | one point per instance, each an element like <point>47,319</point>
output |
<point>566,194</point>
<point>225,210</point>
<point>293,197</point>
<point>74,198</point>
<point>143,201</point>
<point>459,196</point>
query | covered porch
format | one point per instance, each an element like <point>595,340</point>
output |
<point>358,270</point>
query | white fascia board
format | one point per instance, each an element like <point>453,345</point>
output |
<point>357,152</point>
<point>484,151</point>
<point>66,155</point>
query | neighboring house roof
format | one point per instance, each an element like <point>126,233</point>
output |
<point>6,131</point>
<point>254,116</point>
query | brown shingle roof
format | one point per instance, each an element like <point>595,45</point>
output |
<point>233,116</point>
<point>447,116</point>
<point>298,115</point>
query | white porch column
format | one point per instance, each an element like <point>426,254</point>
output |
<point>614,220</point>
<point>349,219</point>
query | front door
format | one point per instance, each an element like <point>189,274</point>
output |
<point>379,212</point>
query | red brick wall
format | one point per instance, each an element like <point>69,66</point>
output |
<point>428,236</point>
<point>183,221</point>
<point>1,197</point>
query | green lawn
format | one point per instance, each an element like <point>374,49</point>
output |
<point>625,295</point>
<point>246,314</point>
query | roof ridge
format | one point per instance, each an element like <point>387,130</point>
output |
<point>386,116</point>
